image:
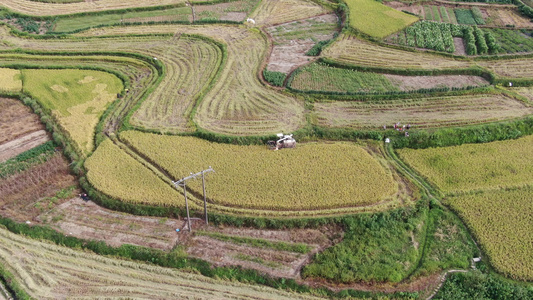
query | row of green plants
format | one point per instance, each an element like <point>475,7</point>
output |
<point>480,42</point>
<point>274,78</point>
<point>27,159</point>
<point>523,8</point>
<point>479,285</point>
<point>12,286</point>
<point>469,134</point>
<point>260,243</point>
<point>439,37</point>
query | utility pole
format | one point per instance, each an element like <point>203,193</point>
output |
<point>183,183</point>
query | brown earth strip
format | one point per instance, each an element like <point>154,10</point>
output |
<point>22,144</point>
<point>16,120</point>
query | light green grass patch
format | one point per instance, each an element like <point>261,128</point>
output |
<point>471,167</point>
<point>77,98</point>
<point>319,77</point>
<point>376,19</point>
<point>10,80</point>
<point>80,22</point>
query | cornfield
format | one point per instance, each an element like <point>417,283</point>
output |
<point>312,176</point>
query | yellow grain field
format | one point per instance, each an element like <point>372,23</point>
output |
<point>310,177</point>
<point>115,173</point>
<point>503,224</point>
<point>470,167</point>
<point>10,80</point>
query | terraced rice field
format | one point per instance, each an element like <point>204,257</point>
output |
<point>503,224</point>
<point>16,120</point>
<point>274,12</point>
<point>67,275</point>
<point>10,80</point>
<point>34,8</point>
<point>420,112</point>
<point>115,173</point>
<point>472,167</point>
<point>310,177</point>
<point>77,99</point>
<point>514,68</point>
<point>365,14</point>
<point>191,64</point>
<point>351,50</point>
<point>238,103</point>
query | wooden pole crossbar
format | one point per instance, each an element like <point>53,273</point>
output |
<point>183,183</point>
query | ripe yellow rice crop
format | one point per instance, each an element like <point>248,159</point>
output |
<point>77,98</point>
<point>475,166</point>
<point>120,176</point>
<point>10,80</point>
<point>503,224</point>
<point>311,176</point>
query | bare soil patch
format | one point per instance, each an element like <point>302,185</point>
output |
<point>22,144</point>
<point>21,194</point>
<point>273,262</point>
<point>292,40</point>
<point>407,83</point>
<point>459,46</point>
<point>16,120</point>
<point>89,221</point>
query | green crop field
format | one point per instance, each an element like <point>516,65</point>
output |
<point>472,167</point>
<point>10,80</point>
<point>78,98</point>
<point>319,77</point>
<point>503,224</point>
<point>365,14</point>
<point>310,177</point>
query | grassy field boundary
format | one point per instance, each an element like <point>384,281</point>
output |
<point>12,286</point>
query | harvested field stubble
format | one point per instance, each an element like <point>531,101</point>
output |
<point>16,120</point>
<point>191,63</point>
<point>312,176</point>
<point>421,112</point>
<point>273,12</point>
<point>29,7</point>
<point>67,274</point>
<point>238,103</point>
<point>352,50</point>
